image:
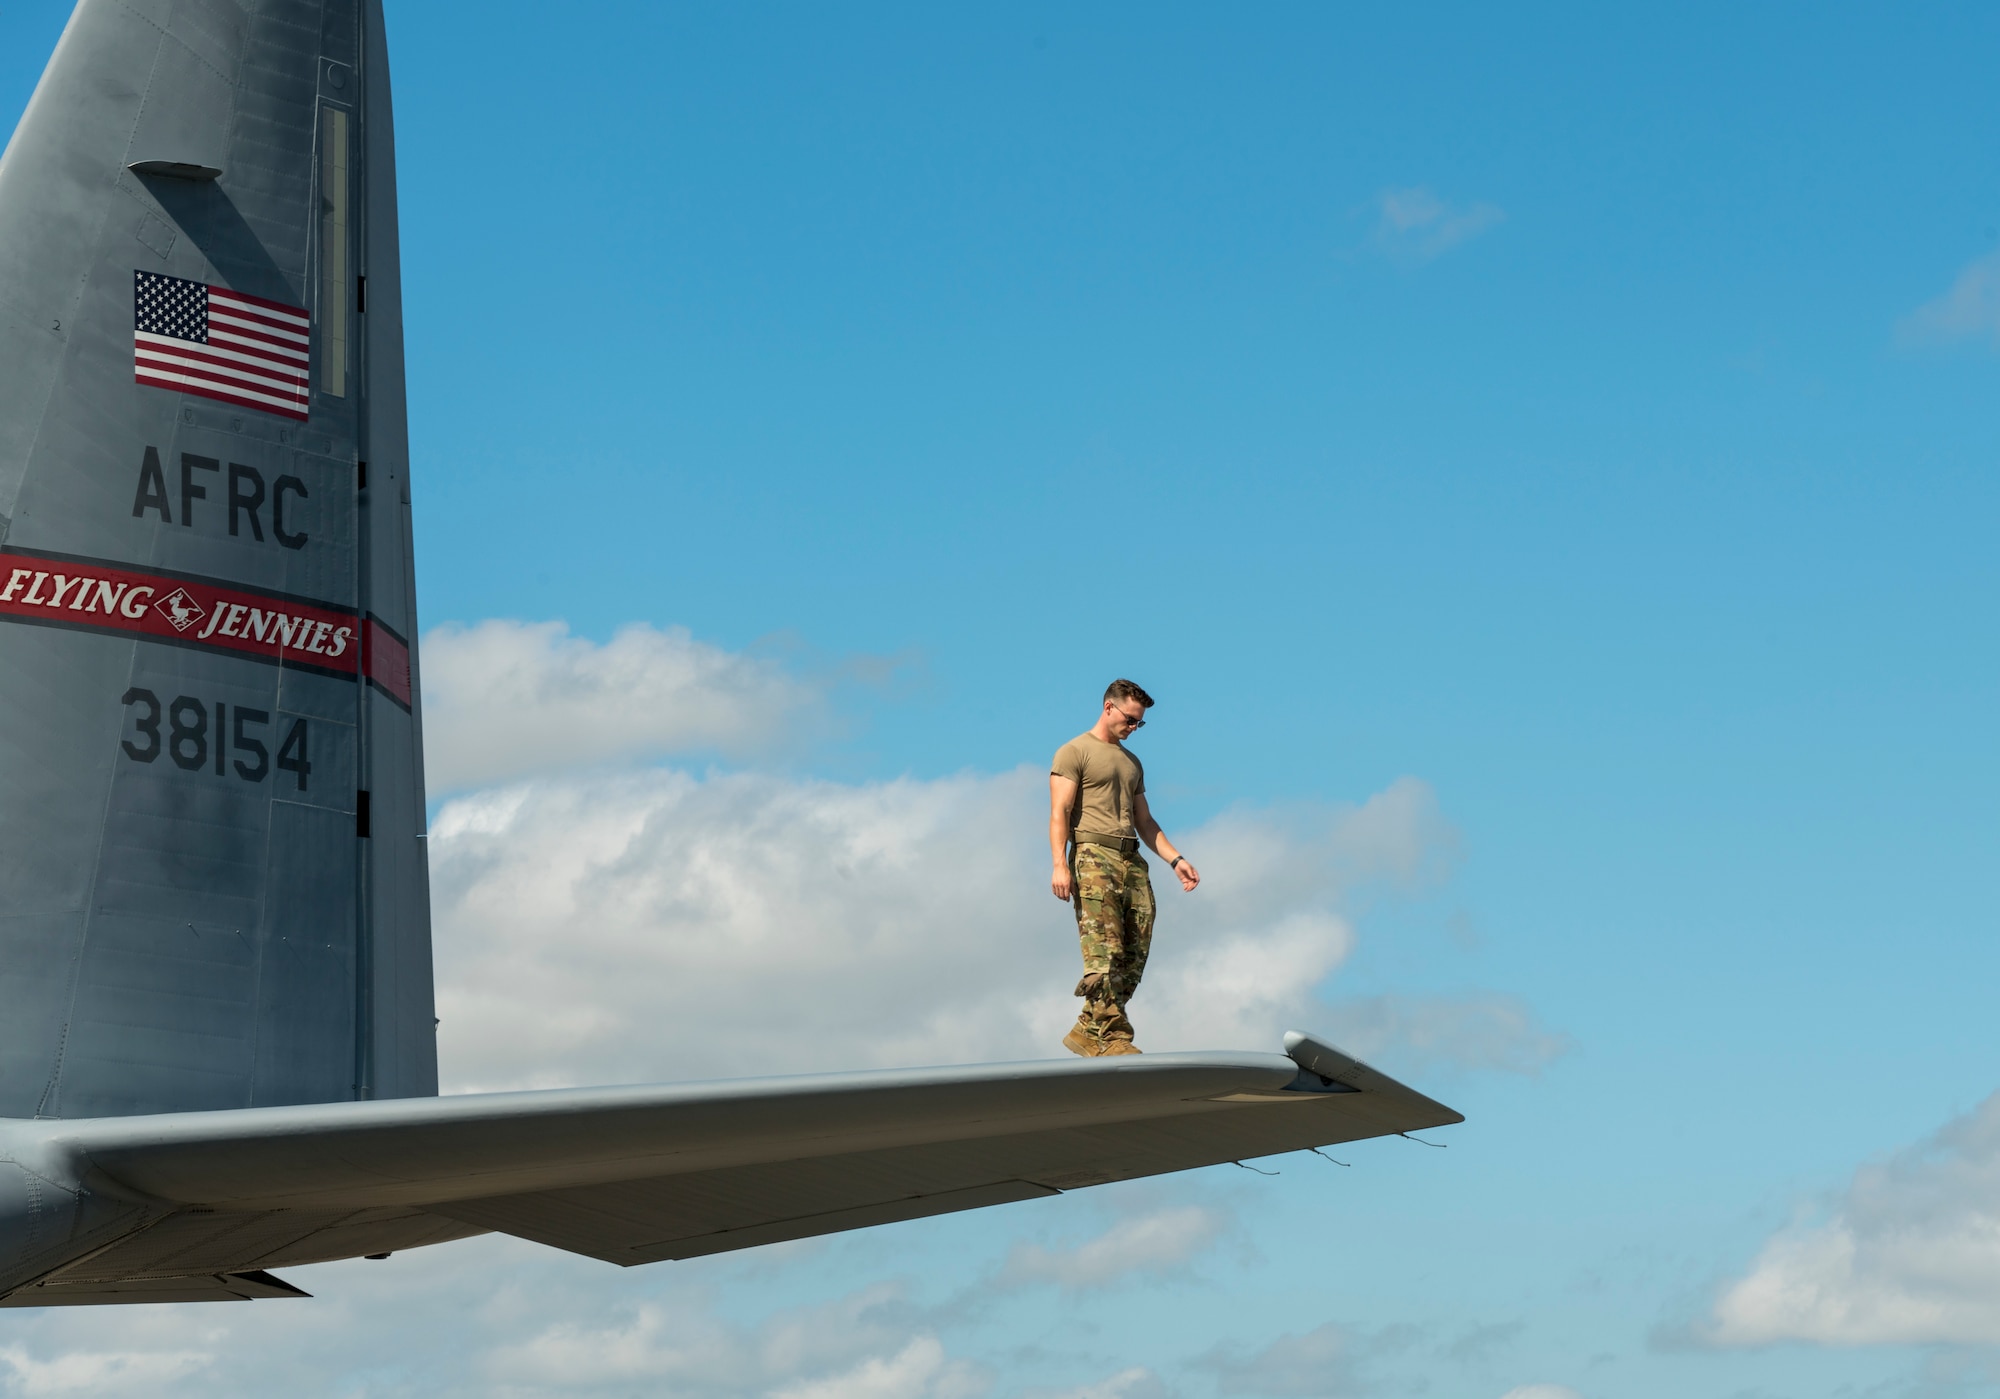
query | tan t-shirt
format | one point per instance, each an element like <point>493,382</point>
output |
<point>1109,781</point>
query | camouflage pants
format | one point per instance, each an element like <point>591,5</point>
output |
<point>1113,899</point>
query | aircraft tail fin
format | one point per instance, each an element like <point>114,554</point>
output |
<point>212,874</point>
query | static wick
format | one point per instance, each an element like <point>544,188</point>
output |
<point>1261,1173</point>
<point>1324,1157</point>
<point>1421,1142</point>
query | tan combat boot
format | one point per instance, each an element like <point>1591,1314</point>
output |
<point>1115,1030</point>
<point>1082,1037</point>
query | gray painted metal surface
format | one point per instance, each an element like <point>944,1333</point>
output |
<point>216,1033</point>
<point>189,917</point>
<point>642,1174</point>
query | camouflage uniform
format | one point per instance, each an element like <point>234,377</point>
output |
<point>1113,900</point>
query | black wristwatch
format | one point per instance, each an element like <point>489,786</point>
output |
<point>1178,861</point>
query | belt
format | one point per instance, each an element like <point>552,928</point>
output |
<point>1124,845</point>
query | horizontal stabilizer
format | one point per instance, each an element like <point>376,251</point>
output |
<point>228,1287</point>
<point>641,1174</point>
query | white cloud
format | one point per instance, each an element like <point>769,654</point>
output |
<point>505,698</point>
<point>1970,310</point>
<point>97,1372</point>
<point>496,1318</point>
<point>1909,1254</point>
<point>1156,1242</point>
<point>1327,1362</point>
<point>866,1345</point>
<point>658,926</point>
<point>918,1371</point>
<point>1319,1362</point>
<point>600,925</point>
<point>1541,1391</point>
<point>1480,1031</point>
<point>1414,225</point>
<point>1136,1382</point>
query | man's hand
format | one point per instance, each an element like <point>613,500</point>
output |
<point>1155,839</point>
<point>1062,883</point>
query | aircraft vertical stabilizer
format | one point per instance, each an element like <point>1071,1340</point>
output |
<point>212,872</point>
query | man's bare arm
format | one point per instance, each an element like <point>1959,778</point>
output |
<point>1062,801</point>
<point>1151,834</point>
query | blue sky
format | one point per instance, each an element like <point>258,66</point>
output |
<point>1584,415</point>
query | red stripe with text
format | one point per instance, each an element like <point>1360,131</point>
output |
<point>107,598</point>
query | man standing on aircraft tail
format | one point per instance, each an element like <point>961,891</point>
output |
<point>1098,819</point>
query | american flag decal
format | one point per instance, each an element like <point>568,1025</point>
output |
<point>221,344</point>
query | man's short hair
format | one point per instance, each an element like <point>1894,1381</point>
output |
<point>1122,690</point>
